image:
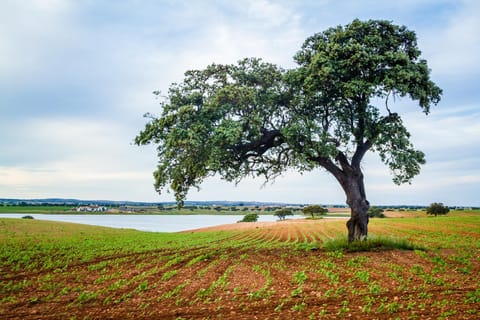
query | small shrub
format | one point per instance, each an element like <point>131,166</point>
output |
<point>250,217</point>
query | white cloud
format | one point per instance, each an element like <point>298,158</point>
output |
<point>28,32</point>
<point>69,181</point>
<point>95,158</point>
<point>100,61</point>
<point>271,13</point>
<point>446,133</point>
<point>454,50</point>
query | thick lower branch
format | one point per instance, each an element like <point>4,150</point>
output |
<point>330,167</point>
<point>268,140</point>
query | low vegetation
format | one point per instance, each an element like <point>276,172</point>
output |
<point>410,268</point>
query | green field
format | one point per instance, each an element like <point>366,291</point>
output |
<point>273,271</point>
<point>36,209</point>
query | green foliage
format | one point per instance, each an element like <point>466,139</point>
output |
<point>314,210</point>
<point>169,274</point>
<point>256,119</point>
<point>375,212</point>
<point>250,217</point>
<point>300,277</point>
<point>307,246</point>
<point>437,209</point>
<point>283,213</point>
<point>473,297</point>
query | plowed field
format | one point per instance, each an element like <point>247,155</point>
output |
<point>243,271</point>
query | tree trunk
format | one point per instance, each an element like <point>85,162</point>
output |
<point>350,177</point>
<point>358,224</point>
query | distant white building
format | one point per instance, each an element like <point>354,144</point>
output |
<point>91,209</point>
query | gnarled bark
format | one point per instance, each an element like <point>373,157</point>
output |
<point>356,199</point>
<point>350,178</point>
<point>357,225</point>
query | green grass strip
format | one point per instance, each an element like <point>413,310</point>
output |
<point>373,243</point>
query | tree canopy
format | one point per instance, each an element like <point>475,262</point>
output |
<point>283,213</point>
<point>375,212</point>
<point>437,209</point>
<point>314,210</point>
<point>254,118</point>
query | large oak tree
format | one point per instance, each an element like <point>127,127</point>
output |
<point>256,119</point>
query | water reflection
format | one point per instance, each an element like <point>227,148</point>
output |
<point>157,223</point>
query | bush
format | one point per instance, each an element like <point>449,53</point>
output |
<point>282,213</point>
<point>250,217</point>
<point>375,212</point>
<point>437,208</point>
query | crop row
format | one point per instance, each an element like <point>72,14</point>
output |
<point>271,271</point>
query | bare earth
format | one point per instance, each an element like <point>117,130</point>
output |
<point>255,282</point>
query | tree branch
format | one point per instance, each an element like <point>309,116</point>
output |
<point>386,102</point>
<point>260,146</point>
<point>359,153</point>
<point>342,159</point>
<point>328,164</point>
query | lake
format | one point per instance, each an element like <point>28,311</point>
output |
<point>156,223</point>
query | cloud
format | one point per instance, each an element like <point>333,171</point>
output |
<point>453,50</point>
<point>33,29</point>
<point>76,78</point>
<point>260,28</point>
<point>77,183</point>
<point>89,156</point>
<point>450,133</point>
<point>114,73</point>
<point>448,137</point>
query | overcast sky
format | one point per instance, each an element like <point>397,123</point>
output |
<point>77,76</point>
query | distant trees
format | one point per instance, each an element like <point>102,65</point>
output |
<point>314,210</point>
<point>283,213</point>
<point>375,212</point>
<point>250,217</point>
<point>437,208</point>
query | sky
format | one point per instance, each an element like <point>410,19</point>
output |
<point>77,76</point>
